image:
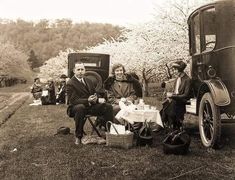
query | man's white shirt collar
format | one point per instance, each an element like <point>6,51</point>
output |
<point>79,79</point>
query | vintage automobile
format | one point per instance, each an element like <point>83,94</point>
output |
<point>212,47</point>
<point>97,66</point>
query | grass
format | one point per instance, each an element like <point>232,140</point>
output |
<point>30,150</point>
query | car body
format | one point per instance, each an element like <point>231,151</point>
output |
<point>212,48</point>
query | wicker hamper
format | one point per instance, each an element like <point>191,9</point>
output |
<point>119,140</point>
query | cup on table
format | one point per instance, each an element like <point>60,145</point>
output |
<point>101,100</point>
<point>146,107</point>
<point>136,102</point>
<point>153,108</point>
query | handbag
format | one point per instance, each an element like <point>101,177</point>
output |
<point>176,142</point>
<point>145,136</point>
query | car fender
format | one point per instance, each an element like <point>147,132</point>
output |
<point>218,90</point>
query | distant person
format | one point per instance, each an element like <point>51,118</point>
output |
<point>50,97</point>
<point>121,85</point>
<point>82,101</point>
<point>175,106</point>
<point>36,89</point>
<point>51,92</point>
<point>61,94</point>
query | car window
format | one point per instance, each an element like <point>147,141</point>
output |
<point>209,29</point>
<point>91,61</point>
<point>196,32</point>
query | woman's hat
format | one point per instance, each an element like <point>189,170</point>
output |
<point>63,76</point>
<point>180,65</point>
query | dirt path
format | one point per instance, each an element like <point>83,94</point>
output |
<point>14,97</point>
<point>9,104</point>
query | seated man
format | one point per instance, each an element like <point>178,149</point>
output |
<point>60,95</point>
<point>175,106</point>
<point>82,100</point>
<point>121,85</point>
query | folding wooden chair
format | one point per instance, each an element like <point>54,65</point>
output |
<point>94,126</point>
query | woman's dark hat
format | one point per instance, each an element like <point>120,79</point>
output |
<point>180,65</point>
<point>63,130</point>
<point>63,76</point>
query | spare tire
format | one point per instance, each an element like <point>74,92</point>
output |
<point>95,78</point>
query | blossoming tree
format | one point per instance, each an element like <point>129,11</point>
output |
<point>146,48</point>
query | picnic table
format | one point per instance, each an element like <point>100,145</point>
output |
<point>132,114</point>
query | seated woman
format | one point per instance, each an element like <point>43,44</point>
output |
<point>50,97</point>
<point>121,85</point>
<point>60,95</point>
<point>36,89</point>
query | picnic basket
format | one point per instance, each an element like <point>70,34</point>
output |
<point>119,140</point>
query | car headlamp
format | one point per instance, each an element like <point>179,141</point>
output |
<point>211,72</point>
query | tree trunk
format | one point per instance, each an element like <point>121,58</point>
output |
<point>145,88</point>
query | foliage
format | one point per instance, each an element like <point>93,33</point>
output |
<point>33,60</point>
<point>13,62</point>
<point>146,48</point>
<point>47,38</point>
<point>55,66</point>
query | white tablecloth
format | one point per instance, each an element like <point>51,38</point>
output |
<point>132,116</point>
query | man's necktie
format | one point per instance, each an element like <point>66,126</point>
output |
<point>83,82</point>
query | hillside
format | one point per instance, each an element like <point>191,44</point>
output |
<point>46,39</point>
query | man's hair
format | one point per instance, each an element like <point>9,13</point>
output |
<point>78,62</point>
<point>118,65</point>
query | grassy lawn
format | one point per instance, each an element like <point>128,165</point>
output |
<point>30,150</point>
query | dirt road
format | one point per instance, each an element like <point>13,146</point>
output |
<point>10,102</point>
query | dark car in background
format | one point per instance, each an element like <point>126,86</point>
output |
<point>97,66</point>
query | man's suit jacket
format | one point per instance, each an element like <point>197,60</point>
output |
<point>77,92</point>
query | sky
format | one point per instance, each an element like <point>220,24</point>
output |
<point>117,12</point>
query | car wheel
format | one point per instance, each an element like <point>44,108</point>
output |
<point>209,122</point>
